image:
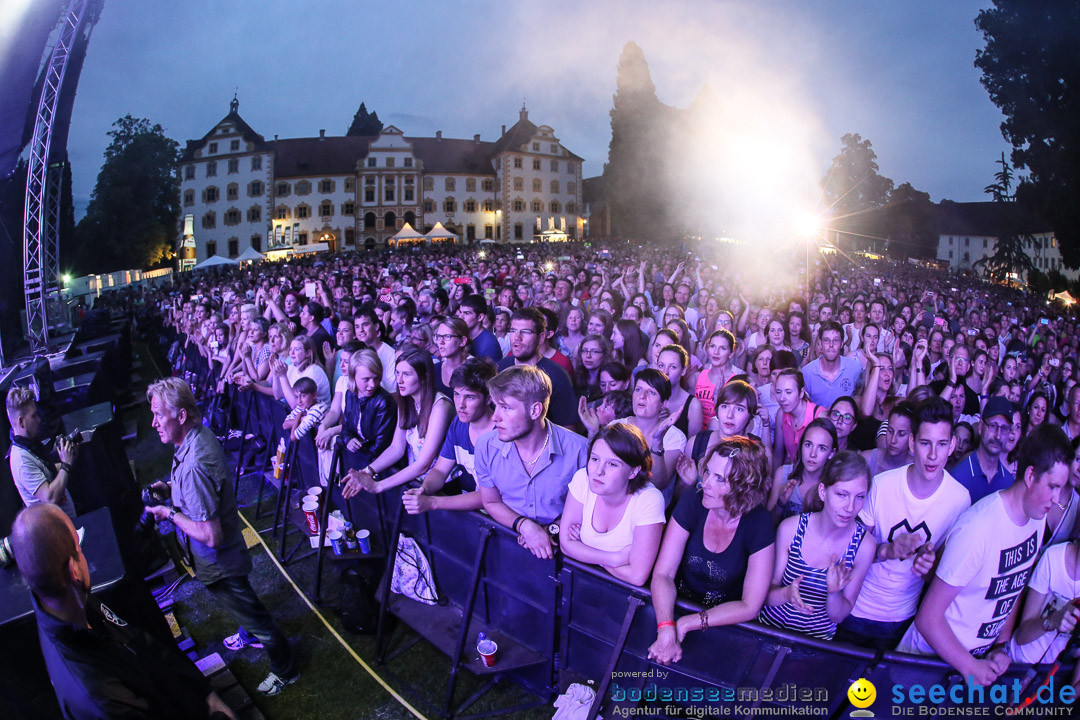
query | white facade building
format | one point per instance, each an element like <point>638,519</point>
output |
<point>349,192</point>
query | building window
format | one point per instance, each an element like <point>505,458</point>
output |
<point>470,185</point>
<point>389,220</point>
<point>554,166</point>
<point>571,208</point>
<point>537,185</point>
<point>554,187</point>
<point>189,172</point>
<point>571,188</point>
<point>234,146</point>
<point>536,147</point>
<point>326,186</point>
<point>429,184</point>
<point>488,232</point>
<point>450,205</point>
<point>211,169</point>
<point>210,194</point>
<point>282,189</point>
<point>232,191</point>
<point>984,243</point>
<point>519,206</point>
<point>519,231</point>
<point>350,236</point>
<point>517,163</point>
<point>326,209</point>
<point>303,238</point>
<point>410,190</point>
<point>213,148</point>
<point>536,206</point>
<point>256,163</point>
<point>369,221</point>
<point>410,217</point>
<point>555,206</point>
<point>950,254</point>
<point>470,232</point>
<point>967,242</point>
<point>234,166</point>
<point>348,209</point>
<point>519,183</point>
<point>302,212</point>
<point>369,194</point>
<point>254,213</point>
<point>211,249</point>
<point>232,216</point>
<point>388,190</point>
<point>408,162</point>
<point>555,148</point>
<point>429,206</point>
<point>209,220</point>
<point>234,247</point>
<point>389,162</point>
<point>255,188</point>
<point>283,213</point>
<point>256,243</point>
<point>303,188</point>
<point>488,206</point>
<point>449,184</point>
<point>371,161</point>
<point>350,184</point>
<point>189,197</point>
<point>470,206</point>
<point>488,185</point>
<point>536,163</point>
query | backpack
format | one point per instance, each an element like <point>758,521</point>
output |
<point>356,601</point>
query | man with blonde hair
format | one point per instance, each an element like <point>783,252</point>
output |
<point>36,477</point>
<point>203,509</point>
<point>524,466</point>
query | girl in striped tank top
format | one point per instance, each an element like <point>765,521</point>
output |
<point>822,557</point>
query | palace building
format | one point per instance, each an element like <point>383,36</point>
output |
<point>239,190</point>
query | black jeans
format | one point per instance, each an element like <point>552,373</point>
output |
<point>240,598</point>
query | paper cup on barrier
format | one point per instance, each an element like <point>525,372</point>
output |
<point>311,514</point>
<point>487,649</point>
<point>310,500</point>
<point>315,492</point>
<point>337,541</point>
<point>364,538</point>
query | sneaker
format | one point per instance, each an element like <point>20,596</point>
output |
<point>274,684</point>
<point>240,640</point>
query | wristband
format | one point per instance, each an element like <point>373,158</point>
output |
<point>666,623</point>
<point>64,466</point>
<point>517,523</point>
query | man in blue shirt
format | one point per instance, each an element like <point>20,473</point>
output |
<point>456,463</point>
<point>524,465</point>
<point>982,472</point>
<point>832,375</point>
<point>484,343</point>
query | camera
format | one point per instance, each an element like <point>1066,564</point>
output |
<point>74,437</point>
<point>151,499</point>
<point>7,555</point>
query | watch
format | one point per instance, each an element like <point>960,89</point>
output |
<point>172,514</point>
<point>659,453</point>
<point>553,529</point>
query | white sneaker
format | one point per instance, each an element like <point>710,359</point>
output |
<point>274,684</point>
<point>238,642</point>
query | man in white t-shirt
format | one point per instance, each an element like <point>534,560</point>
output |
<point>366,324</point>
<point>908,510</point>
<point>969,612</point>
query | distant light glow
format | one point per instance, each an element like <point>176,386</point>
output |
<point>66,277</point>
<point>482,254</point>
<point>549,266</point>
<point>809,224</point>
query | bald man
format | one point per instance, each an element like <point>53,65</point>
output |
<point>100,666</point>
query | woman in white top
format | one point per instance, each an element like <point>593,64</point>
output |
<point>614,517</point>
<point>1049,616</point>
<point>651,390</point>
<point>302,354</point>
<point>423,418</point>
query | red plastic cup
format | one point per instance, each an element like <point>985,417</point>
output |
<point>311,514</point>
<point>487,649</point>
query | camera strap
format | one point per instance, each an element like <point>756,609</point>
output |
<point>36,449</point>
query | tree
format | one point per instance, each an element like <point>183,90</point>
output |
<point>133,215</point>
<point>1030,70</point>
<point>1010,251</point>
<point>365,123</point>
<point>910,223</point>
<point>853,190</point>
<point>634,173</point>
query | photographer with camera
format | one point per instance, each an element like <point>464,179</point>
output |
<point>200,501</point>
<point>35,474</point>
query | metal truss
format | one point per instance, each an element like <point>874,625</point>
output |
<point>41,216</point>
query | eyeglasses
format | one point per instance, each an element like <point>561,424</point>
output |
<point>727,452</point>
<point>591,351</point>
<point>445,337</point>
<point>519,331</point>
<point>843,417</point>
<point>998,427</point>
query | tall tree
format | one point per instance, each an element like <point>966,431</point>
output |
<point>1010,252</point>
<point>634,173</point>
<point>854,190</point>
<point>910,223</point>
<point>365,123</point>
<point>1030,69</point>
<point>132,219</point>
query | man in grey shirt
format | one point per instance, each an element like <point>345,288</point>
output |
<point>524,466</point>
<point>204,513</point>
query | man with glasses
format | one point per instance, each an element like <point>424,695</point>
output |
<point>484,343</point>
<point>527,326</point>
<point>832,375</point>
<point>983,471</point>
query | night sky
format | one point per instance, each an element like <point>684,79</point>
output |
<point>899,73</point>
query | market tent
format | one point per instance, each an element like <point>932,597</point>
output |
<point>407,235</point>
<point>251,254</point>
<point>441,234</point>
<point>1064,296</point>
<point>215,261</point>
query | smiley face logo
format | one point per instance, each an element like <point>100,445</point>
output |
<point>862,693</point>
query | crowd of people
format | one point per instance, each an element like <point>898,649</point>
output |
<point>887,457</point>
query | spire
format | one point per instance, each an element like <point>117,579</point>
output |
<point>524,112</point>
<point>234,104</point>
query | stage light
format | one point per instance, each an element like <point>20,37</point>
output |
<point>809,224</point>
<point>549,266</point>
<point>482,254</point>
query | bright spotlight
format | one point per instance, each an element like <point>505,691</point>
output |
<point>549,266</point>
<point>66,278</point>
<point>809,224</point>
<point>482,254</point>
